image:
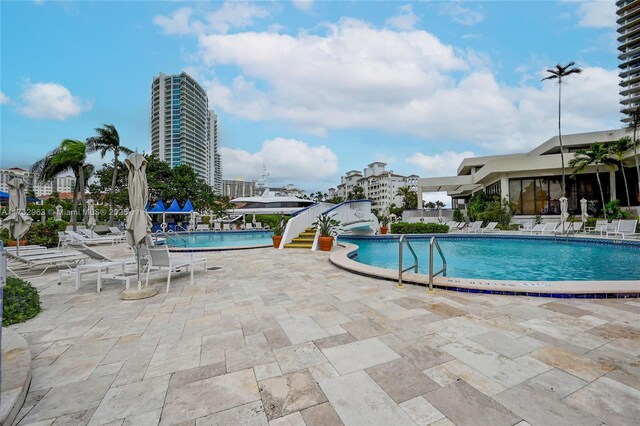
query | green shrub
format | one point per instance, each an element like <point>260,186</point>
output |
<point>458,216</point>
<point>270,220</point>
<point>21,301</point>
<point>45,234</point>
<point>418,228</point>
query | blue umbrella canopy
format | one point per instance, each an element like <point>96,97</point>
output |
<point>188,207</point>
<point>174,207</point>
<point>158,208</point>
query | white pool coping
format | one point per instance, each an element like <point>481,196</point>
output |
<point>340,258</point>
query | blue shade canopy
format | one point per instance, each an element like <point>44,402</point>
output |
<point>158,208</point>
<point>174,207</point>
<point>188,207</point>
<point>4,194</point>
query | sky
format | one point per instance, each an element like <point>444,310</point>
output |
<point>311,89</point>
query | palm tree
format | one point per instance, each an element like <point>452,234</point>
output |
<point>69,156</point>
<point>634,124</point>
<point>617,150</point>
<point>107,140</point>
<point>597,155</point>
<point>558,73</point>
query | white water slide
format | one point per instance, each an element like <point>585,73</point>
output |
<point>354,216</point>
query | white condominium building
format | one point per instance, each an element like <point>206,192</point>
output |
<point>183,129</point>
<point>629,54</point>
<point>59,184</point>
<point>379,185</point>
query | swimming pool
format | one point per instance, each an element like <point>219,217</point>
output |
<point>510,257</point>
<point>222,240</point>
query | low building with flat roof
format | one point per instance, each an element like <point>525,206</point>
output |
<point>532,181</point>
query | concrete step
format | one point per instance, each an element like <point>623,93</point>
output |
<point>308,234</point>
<point>302,240</point>
<point>298,245</point>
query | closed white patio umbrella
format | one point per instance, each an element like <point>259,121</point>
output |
<point>18,221</point>
<point>564,215</point>
<point>583,208</point>
<point>138,221</point>
<point>90,215</point>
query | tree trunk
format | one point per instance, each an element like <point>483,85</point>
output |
<point>74,212</point>
<point>564,192</point>
<point>113,185</point>
<point>626,186</point>
<point>81,186</point>
<point>604,209</point>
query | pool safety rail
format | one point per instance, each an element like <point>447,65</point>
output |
<point>432,243</point>
<point>403,240</point>
<point>168,238</point>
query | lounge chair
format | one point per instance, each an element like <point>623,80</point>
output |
<point>161,259</point>
<point>74,236</point>
<point>625,228</point>
<point>226,227</point>
<point>491,227</point>
<point>202,227</point>
<point>258,225</point>
<point>536,228</point>
<point>601,227</point>
<point>30,260</point>
<point>570,228</point>
<point>217,226</point>
<point>114,230</point>
<point>90,233</point>
<point>474,227</point>
<point>248,226</point>
<point>550,227</point>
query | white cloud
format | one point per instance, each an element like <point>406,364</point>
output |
<point>356,76</point>
<point>461,14</point>
<point>405,19</point>
<point>229,16</point>
<point>444,164</point>
<point>287,161</point>
<point>437,196</point>
<point>51,101</point>
<point>597,14</point>
<point>4,99</point>
<point>178,22</point>
<point>304,5</point>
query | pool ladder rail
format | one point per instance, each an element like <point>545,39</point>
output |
<point>167,239</point>
<point>432,243</point>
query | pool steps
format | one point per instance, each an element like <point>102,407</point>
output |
<point>304,240</point>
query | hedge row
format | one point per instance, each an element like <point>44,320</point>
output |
<point>418,228</point>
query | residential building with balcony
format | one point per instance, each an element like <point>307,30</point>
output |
<point>628,21</point>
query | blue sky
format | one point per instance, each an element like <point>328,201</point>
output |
<point>309,88</point>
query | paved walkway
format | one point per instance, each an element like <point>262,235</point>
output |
<point>285,338</point>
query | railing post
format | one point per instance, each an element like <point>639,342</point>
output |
<point>401,241</point>
<point>431,266</point>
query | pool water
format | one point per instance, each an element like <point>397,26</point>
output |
<point>509,258</point>
<point>222,239</point>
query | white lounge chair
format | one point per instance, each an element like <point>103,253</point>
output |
<point>91,234</point>
<point>226,227</point>
<point>161,259</point>
<point>491,227</point>
<point>625,228</point>
<point>248,226</point>
<point>550,227</point>
<point>28,261</point>
<point>601,227</point>
<point>217,226</point>
<point>536,228</point>
<point>258,225</point>
<point>474,227</point>
<point>115,231</point>
<point>101,267</point>
<point>202,227</point>
<point>570,228</point>
<point>87,240</point>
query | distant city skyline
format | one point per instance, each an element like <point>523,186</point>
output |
<point>311,89</point>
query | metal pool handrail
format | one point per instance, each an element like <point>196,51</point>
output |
<point>443,271</point>
<point>403,239</point>
<point>170,232</point>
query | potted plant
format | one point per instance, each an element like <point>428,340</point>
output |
<point>327,228</point>
<point>278,230</point>
<point>384,221</point>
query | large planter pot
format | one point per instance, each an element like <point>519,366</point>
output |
<point>325,243</point>
<point>383,230</point>
<point>276,240</point>
<point>12,243</point>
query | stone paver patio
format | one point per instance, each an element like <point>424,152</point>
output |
<point>286,338</point>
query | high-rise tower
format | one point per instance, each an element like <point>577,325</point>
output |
<point>629,54</point>
<point>183,129</point>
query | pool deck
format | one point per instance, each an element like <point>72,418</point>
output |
<point>284,337</point>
